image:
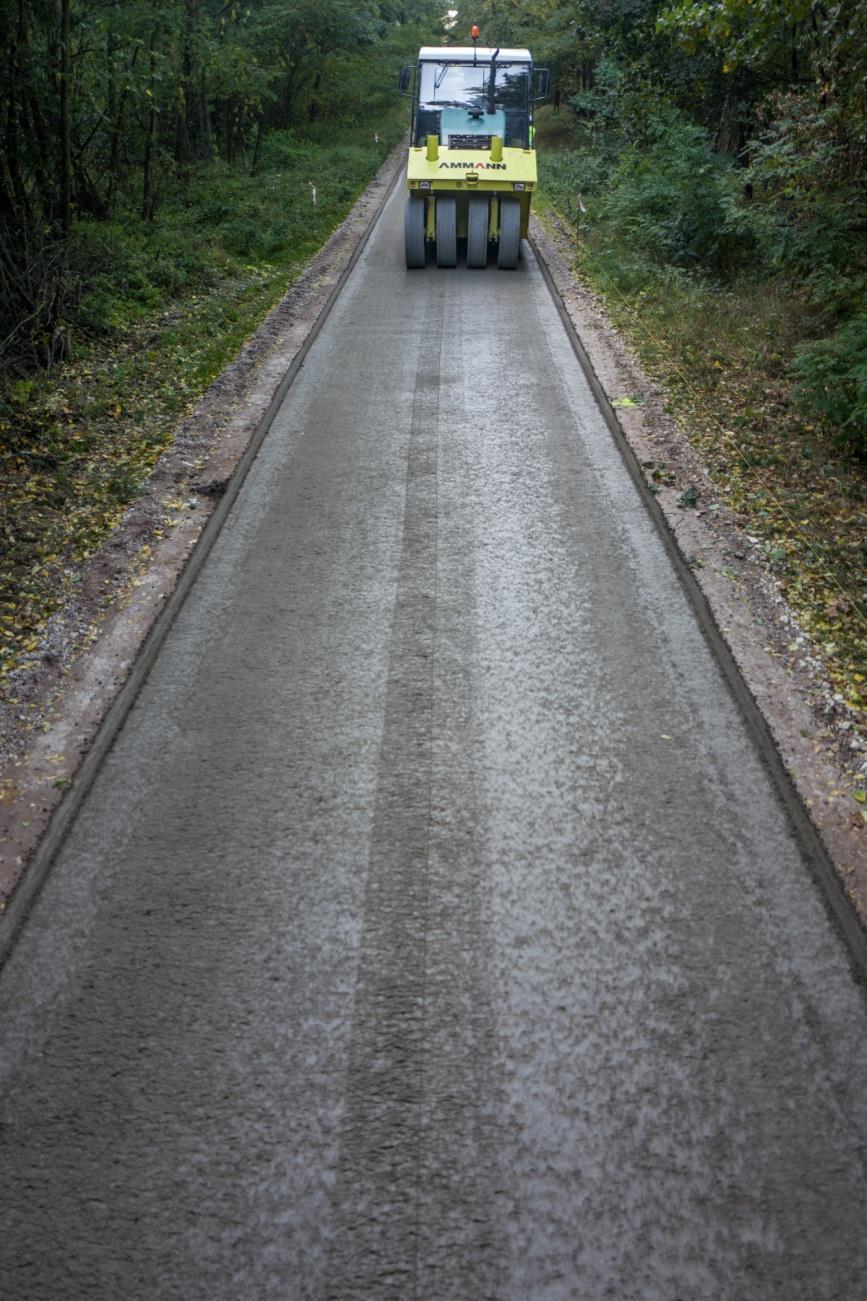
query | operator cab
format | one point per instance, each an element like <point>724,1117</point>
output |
<point>466,96</point>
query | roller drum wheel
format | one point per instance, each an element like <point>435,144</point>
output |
<point>510,234</point>
<point>477,233</point>
<point>413,232</point>
<point>447,232</point>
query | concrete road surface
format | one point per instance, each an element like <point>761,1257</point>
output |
<point>433,929</point>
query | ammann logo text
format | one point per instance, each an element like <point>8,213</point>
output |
<point>491,167</point>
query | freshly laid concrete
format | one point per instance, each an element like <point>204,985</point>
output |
<point>433,928</point>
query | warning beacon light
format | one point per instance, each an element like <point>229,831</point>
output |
<point>475,33</point>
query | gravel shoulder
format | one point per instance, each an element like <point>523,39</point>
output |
<point>52,714</point>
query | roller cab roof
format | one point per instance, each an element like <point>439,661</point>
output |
<point>465,53</point>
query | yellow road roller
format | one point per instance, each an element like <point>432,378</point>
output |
<point>471,170</point>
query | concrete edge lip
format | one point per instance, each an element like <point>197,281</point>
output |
<point>827,871</point>
<point>35,872</point>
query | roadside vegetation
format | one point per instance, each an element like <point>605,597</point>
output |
<point>710,163</point>
<point>165,174</point>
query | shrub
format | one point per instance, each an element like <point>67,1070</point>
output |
<point>240,235</point>
<point>281,149</point>
<point>808,207</point>
<point>831,381</point>
<point>38,288</point>
<point>569,173</point>
<point>678,200</point>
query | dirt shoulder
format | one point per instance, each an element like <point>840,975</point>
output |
<point>808,722</point>
<point>53,707</point>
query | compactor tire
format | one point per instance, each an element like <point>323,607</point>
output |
<point>477,232</point>
<point>413,231</point>
<point>510,234</point>
<point>447,231</point>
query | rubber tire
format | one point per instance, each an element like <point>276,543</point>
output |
<point>477,232</point>
<point>413,232</point>
<point>510,234</point>
<point>447,231</point>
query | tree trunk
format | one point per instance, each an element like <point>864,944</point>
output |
<point>313,111</point>
<point>65,132</point>
<point>183,104</point>
<point>229,132</point>
<point>117,135</point>
<point>256,147</point>
<point>42,160</point>
<point>112,99</point>
<point>147,204</point>
<point>14,184</point>
<point>204,150</point>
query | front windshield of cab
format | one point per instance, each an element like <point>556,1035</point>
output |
<point>464,85</point>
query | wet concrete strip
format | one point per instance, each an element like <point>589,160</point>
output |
<point>432,928</point>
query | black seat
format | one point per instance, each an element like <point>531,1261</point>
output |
<point>427,123</point>
<point>517,129</point>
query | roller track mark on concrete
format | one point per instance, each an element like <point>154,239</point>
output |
<point>377,1180</point>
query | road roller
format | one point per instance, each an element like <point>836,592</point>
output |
<point>471,169</point>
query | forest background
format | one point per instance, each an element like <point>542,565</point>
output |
<point>167,167</point>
